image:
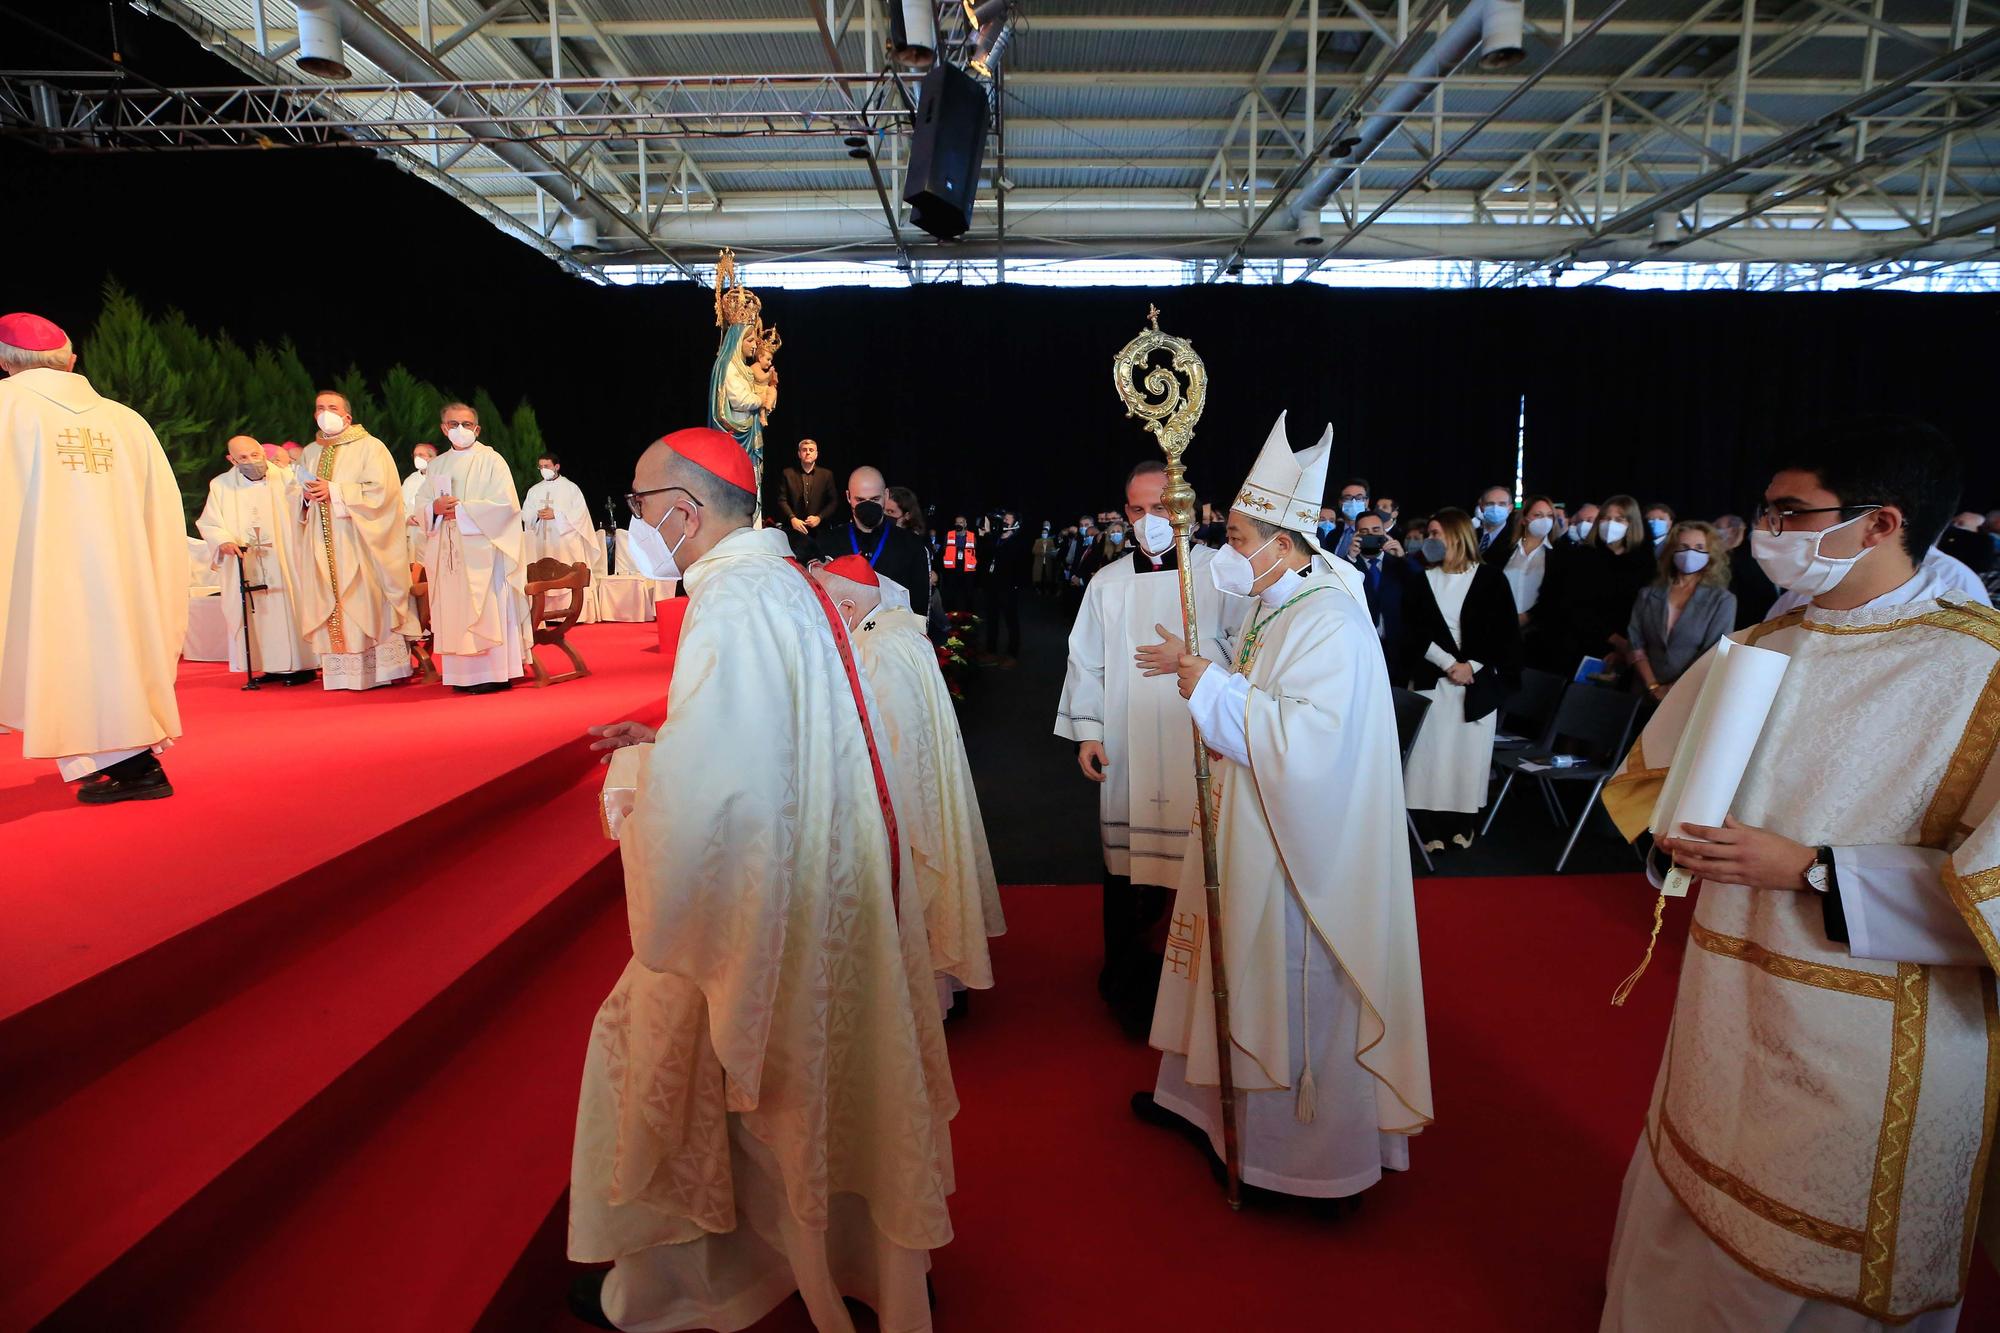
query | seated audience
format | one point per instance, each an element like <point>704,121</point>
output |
<point>1686,610</point>
<point>1461,649</point>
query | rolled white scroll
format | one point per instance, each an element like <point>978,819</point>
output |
<point>1715,746</point>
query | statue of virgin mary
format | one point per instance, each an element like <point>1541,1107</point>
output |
<point>743,387</point>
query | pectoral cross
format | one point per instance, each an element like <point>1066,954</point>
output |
<point>81,449</point>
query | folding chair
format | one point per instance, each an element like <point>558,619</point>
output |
<point>1410,710</point>
<point>1592,723</point>
<point>1526,713</point>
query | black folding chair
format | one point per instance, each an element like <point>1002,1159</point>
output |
<point>1410,710</point>
<point>1592,723</point>
<point>1526,713</point>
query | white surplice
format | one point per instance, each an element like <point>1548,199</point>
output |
<point>94,605</point>
<point>1146,800</point>
<point>414,527</point>
<point>766,1096</point>
<point>1820,1135</point>
<point>479,603</point>
<point>258,516</point>
<point>354,569</point>
<point>1330,1064</point>
<point>568,537</point>
<point>938,807</point>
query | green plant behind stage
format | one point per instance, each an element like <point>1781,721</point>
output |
<point>197,389</point>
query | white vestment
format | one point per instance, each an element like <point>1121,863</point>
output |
<point>414,528</point>
<point>1146,800</point>
<point>937,805</point>
<point>94,603</point>
<point>258,516</point>
<point>568,537</point>
<point>479,606</point>
<point>1820,1136</point>
<point>766,1096</point>
<point>1331,1065</point>
<point>354,604</point>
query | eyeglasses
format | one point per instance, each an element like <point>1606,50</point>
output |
<point>448,423</point>
<point>632,498</point>
<point>1772,518</point>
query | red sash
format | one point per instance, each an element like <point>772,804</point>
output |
<point>839,628</point>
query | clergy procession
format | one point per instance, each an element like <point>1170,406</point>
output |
<point>768,1108</point>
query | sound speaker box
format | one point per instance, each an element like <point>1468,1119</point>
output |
<point>945,151</point>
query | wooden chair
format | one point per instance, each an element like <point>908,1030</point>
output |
<point>545,577</point>
<point>420,597</point>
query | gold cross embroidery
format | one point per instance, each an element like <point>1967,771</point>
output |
<point>1183,944</point>
<point>84,450</point>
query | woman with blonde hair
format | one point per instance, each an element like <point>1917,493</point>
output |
<point>1686,610</point>
<point>1461,649</point>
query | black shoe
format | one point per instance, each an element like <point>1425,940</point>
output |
<point>1153,1113</point>
<point>296,677</point>
<point>489,687</point>
<point>586,1298</point>
<point>147,783</point>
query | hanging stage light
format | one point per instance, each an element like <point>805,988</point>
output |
<point>913,33</point>
<point>994,20</point>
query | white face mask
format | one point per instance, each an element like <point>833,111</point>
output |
<point>1614,529</point>
<point>462,436</point>
<point>1792,560</point>
<point>254,471</point>
<point>548,474</point>
<point>422,462</point>
<point>1232,572</point>
<point>331,423</point>
<point>1156,535</point>
<point>1690,562</point>
<point>648,550</point>
<point>1580,530</point>
<point>1541,527</point>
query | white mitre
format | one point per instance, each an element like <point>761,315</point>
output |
<point>1285,488</point>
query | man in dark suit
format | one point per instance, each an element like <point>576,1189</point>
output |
<point>1336,528</point>
<point>1379,557</point>
<point>892,552</point>
<point>1009,558</point>
<point>806,500</point>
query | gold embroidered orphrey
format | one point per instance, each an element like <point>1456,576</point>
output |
<point>81,449</point>
<point>1169,399</point>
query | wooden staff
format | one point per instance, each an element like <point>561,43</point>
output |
<point>1170,401</point>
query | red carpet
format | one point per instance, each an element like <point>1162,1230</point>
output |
<point>298,1050</point>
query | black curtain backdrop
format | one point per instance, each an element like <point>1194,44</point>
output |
<point>983,396</point>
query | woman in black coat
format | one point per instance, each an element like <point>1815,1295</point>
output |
<point>1597,585</point>
<point>1461,649</point>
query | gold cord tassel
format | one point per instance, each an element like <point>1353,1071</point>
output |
<point>1625,987</point>
<point>1308,1101</point>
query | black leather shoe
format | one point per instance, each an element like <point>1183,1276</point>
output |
<point>586,1298</point>
<point>146,784</point>
<point>489,687</point>
<point>297,677</point>
<point>1153,1113</point>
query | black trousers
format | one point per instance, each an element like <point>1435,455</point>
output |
<point>1130,979</point>
<point>1003,602</point>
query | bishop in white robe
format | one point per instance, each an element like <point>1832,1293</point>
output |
<point>354,605</point>
<point>248,525</point>
<point>1132,733</point>
<point>414,527</point>
<point>1326,1013</point>
<point>937,804</point>
<point>95,604</point>
<point>474,560</point>
<point>766,1096</point>
<point>559,528</point>
<point>1818,1152</point>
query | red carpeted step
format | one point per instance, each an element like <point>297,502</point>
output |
<point>91,1176</point>
<point>417,1215</point>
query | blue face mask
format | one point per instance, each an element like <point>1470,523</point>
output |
<point>1325,528</point>
<point>1494,515</point>
<point>1657,527</point>
<point>1353,508</point>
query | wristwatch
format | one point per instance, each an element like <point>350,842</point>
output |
<point>1819,875</point>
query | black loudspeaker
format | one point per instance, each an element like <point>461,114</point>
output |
<point>945,151</point>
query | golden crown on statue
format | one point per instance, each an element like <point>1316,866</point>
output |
<point>734,303</point>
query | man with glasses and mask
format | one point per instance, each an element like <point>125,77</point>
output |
<point>355,603</point>
<point>766,1099</point>
<point>476,560</point>
<point>1132,738</point>
<point>1814,1153</point>
<point>892,551</point>
<point>1379,557</point>
<point>1936,573</point>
